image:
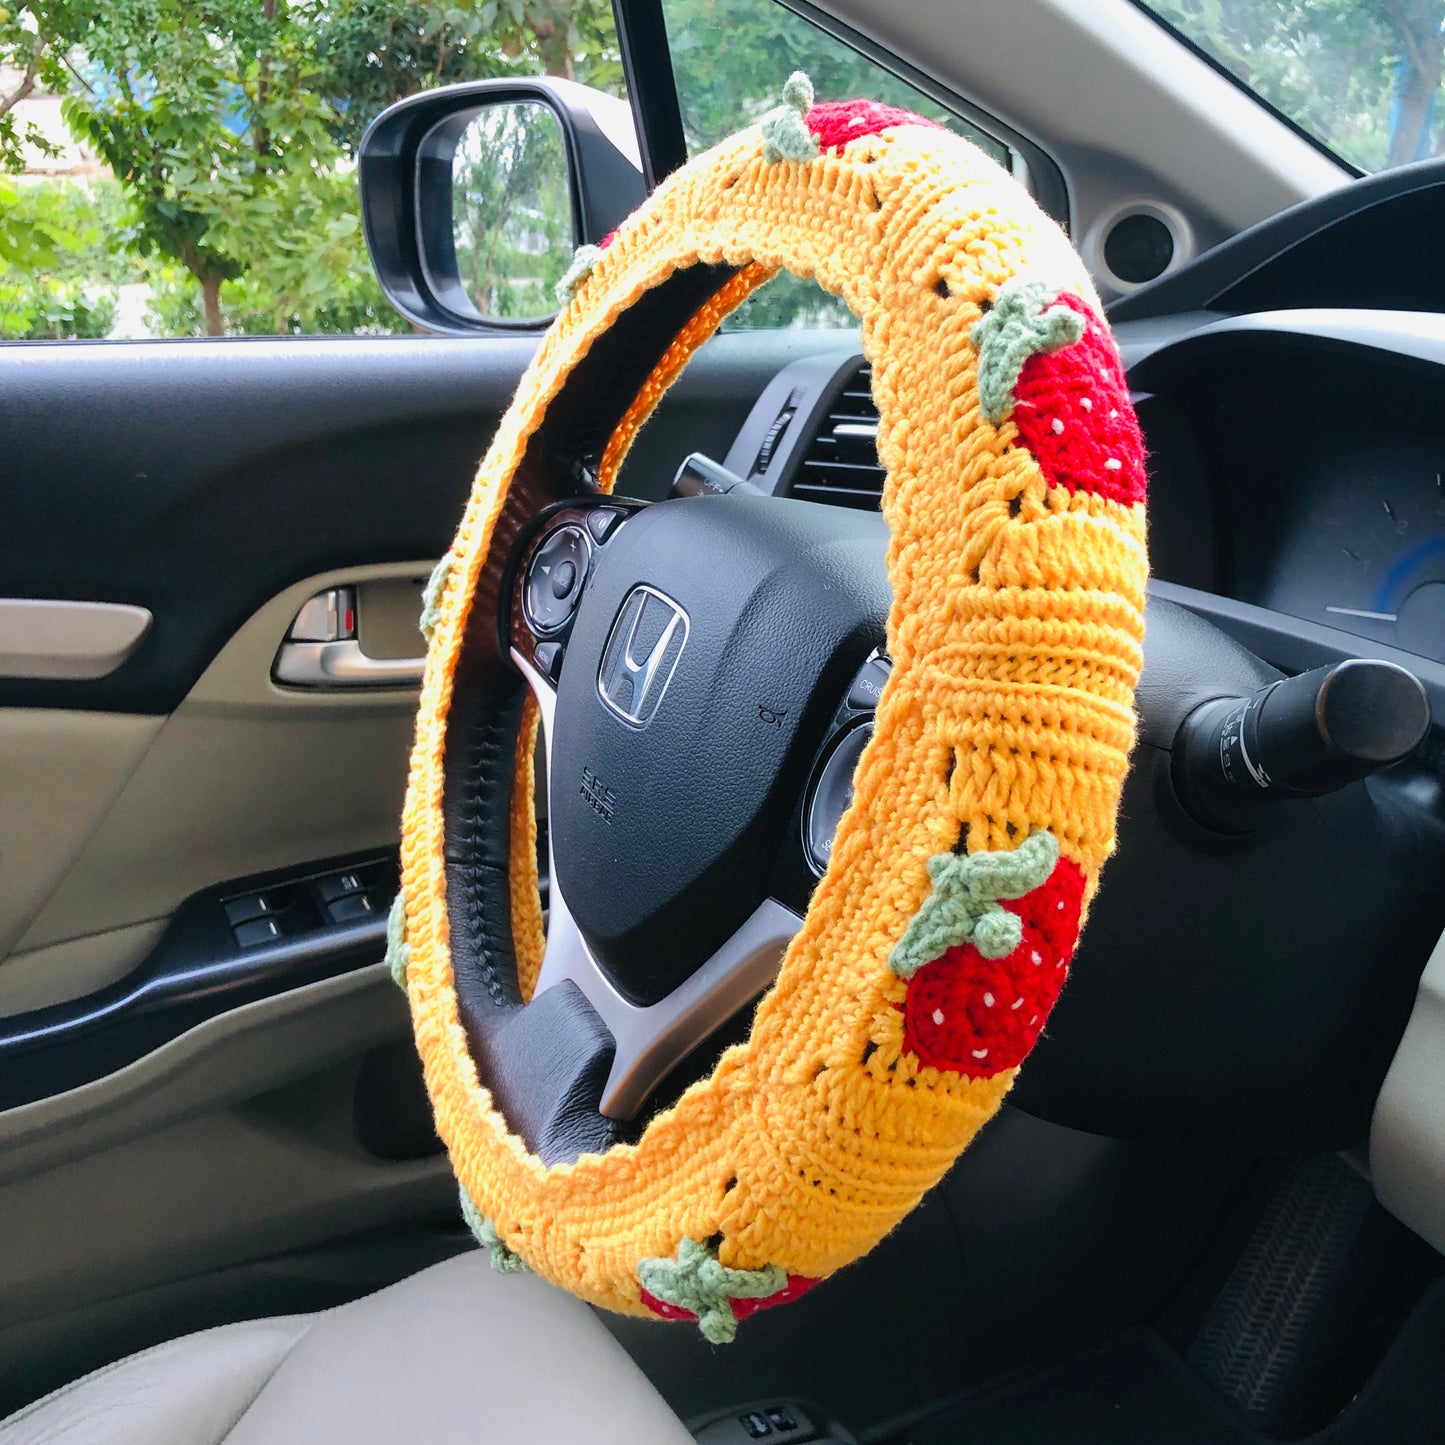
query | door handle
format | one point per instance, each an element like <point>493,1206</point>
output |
<point>322,650</point>
<point>343,664</point>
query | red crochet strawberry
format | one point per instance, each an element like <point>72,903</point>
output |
<point>695,1285</point>
<point>1046,360</point>
<point>1073,412</point>
<point>797,1286</point>
<point>834,123</point>
<point>979,1015</point>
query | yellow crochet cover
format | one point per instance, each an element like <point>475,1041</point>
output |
<point>985,803</point>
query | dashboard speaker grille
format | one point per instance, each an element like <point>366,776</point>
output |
<point>840,464</point>
<point>1139,246</point>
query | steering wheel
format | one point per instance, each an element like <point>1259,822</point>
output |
<point>711,675</point>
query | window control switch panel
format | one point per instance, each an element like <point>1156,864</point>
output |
<point>310,902</point>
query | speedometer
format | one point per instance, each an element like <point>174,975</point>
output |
<point>1367,553</point>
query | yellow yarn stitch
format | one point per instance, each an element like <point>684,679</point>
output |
<point>1015,632</point>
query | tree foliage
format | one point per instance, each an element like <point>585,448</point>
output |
<point>232,125</point>
<point>377,52</point>
<point>731,58</point>
<point>1360,75</point>
<point>34,40</point>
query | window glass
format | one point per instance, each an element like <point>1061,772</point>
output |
<point>729,60</point>
<point>187,167</point>
<point>1363,77</point>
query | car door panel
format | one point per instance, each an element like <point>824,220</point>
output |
<point>268,777</point>
<point>63,772</point>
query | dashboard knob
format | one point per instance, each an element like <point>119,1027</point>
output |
<point>1300,737</point>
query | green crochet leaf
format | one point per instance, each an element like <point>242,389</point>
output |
<point>431,597</point>
<point>786,136</point>
<point>583,260</point>
<point>1021,324</point>
<point>963,906</point>
<point>397,952</point>
<point>696,1281</point>
<point>505,1260</point>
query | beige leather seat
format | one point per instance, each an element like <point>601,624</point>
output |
<point>455,1354</point>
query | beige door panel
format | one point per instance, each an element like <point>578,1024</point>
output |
<point>233,1057</point>
<point>243,777</point>
<point>62,773</point>
<point>232,1143</point>
<point>72,969</point>
<point>238,1139</point>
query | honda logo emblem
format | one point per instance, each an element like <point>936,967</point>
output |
<point>641,655</point>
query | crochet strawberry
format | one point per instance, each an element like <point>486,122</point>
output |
<point>834,123</point>
<point>998,930</point>
<point>695,1286</point>
<point>1047,361</point>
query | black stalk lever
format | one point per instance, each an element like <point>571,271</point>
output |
<point>1300,737</point>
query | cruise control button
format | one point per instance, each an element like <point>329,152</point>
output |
<point>868,685</point>
<point>554,579</point>
<point>601,522</point>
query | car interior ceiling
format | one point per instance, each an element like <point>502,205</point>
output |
<point>1209,1211</point>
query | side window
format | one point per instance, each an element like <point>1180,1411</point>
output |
<point>729,61</point>
<point>174,169</point>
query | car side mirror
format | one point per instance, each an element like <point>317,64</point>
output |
<point>475,196</point>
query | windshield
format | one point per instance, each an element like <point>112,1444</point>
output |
<point>1362,77</point>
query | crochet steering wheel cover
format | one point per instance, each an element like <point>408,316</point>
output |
<point>1014,498</point>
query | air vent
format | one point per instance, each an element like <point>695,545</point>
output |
<point>840,466</point>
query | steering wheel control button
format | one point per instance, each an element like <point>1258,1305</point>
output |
<point>564,579</point>
<point>548,658</point>
<point>553,585</point>
<point>868,685</point>
<point>830,795</point>
<point>602,522</point>
<point>641,655</point>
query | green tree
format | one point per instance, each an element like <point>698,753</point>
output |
<point>34,40</point>
<point>230,124</point>
<point>377,52</point>
<point>210,115</point>
<point>1358,74</point>
<point>61,256</point>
